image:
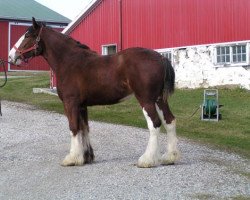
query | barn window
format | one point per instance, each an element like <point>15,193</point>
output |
<point>223,55</point>
<point>234,54</point>
<point>167,54</point>
<point>239,53</point>
<point>109,49</point>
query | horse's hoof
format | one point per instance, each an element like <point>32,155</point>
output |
<point>147,162</point>
<point>170,158</point>
<point>70,160</point>
<point>89,156</point>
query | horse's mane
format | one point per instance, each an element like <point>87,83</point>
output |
<point>78,44</point>
<point>83,46</point>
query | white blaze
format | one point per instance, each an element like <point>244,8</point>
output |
<point>13,53</point>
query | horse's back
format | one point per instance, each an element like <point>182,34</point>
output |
<point>144,70</point>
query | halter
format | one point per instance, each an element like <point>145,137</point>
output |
<point>34,47</point>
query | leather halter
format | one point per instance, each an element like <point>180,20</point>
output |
<point>34,47</point>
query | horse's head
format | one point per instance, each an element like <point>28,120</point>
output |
<point>29,45</point>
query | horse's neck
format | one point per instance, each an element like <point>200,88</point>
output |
<point>57,48</point>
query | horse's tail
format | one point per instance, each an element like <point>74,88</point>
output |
<point>169,79</point>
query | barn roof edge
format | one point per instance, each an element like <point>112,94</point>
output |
<point>24,19</point>
<point>91,6</point>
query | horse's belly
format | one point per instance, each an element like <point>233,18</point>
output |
<point>108,98</point>
<point>126,98</point>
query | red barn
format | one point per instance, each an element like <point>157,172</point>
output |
<point>162,23</point>
<point>15,18</point>
<point>171,27</point>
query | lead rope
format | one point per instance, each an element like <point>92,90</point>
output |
<point>194,112</point>
<point>2,64</point>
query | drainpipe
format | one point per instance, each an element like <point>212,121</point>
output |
<point>120,25</point>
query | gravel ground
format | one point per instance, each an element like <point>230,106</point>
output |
<point>33,143</point>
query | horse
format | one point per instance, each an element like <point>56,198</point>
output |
<point>85,78</point>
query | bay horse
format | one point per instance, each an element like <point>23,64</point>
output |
<point>85,78</point>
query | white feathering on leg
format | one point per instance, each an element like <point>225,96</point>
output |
<point>75,157</point>
<point>172,154</point>
<point>151,157</point>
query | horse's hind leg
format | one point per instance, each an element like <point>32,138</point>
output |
<point>168,120</point>
<point>151,157</point>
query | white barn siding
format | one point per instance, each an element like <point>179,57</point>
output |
<point>195,67</point>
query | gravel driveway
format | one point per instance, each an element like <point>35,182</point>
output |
<point>33,143</point>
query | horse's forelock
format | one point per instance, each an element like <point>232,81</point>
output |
<point>30,30</point>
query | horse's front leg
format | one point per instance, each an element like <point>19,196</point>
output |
<point>80,144</point>
<point>87,148</point>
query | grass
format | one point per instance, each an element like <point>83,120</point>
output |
<point>232,133</point>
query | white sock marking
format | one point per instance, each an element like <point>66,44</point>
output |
<point>151,157</point>
<point>172,153</point>
<point>76,149</point>
<point>85,140</point>
<point>79,144</point>
<point>171,137</point>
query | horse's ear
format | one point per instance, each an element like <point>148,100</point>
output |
<point>43,24</point>
<point>35,24</point>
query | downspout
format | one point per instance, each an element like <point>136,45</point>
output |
<point>120,26</point>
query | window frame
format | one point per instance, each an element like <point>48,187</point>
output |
<point>167,54</point>
<point>223,55</point>
<point>231,55</point>
<point>167,51</point>
<point>106,46</point>
<point>239,53</point>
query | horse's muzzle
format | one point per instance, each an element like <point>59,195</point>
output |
<point>15,61</point>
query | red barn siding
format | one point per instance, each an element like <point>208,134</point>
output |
<point>4,41</point>
<point>165,23</point>
<point>100,26</point>
<point>168,23</point>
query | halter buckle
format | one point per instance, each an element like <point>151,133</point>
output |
<point>38,39</point>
